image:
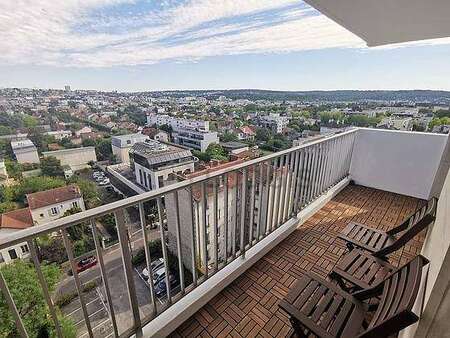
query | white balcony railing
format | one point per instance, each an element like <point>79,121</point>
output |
<point>211,221</point>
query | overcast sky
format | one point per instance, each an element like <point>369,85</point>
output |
<point>201,44</point>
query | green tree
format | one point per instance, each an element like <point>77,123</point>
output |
<point>51,166</point>
<point>104,149</point>
<point>438,122</point>
<point>228,137</point>
<point>216,151</point>
<point>30,121</point>
<point>16,193</point>
<point>88,189</point>
<point>263,134</point>
<point>167,128</point>
<point>37,137</point>
<point>26,291</point>
<point>4,130</point>
<point>7,206</point>
<point>14,169</point>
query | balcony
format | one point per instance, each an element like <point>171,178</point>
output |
<point>236,239</point>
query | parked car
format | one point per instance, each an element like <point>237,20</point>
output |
<point>85,264</point>
<point>160,288</point>
<point>97,174</point>
<point>100,177</point>
<point>155,266</point>
<point>159,275</point>
<point>104,182</point>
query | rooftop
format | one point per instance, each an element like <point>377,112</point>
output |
<point>49,197</point>
<point>248,307</point>
<point>16,219</point>
<point>156,152</point>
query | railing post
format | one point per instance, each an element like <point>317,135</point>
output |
<point>243,205</point>
<point>48,299</point>
<point>193,251</point>
<point>164,248</point>
<point>178,238</point>
<point>128,269</point>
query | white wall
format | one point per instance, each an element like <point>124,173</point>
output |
<point>396,161</point>
<point>43,215</point>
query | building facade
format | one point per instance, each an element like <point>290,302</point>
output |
<point>75,158</point>
<point>153,162</point>
<point>25,151</point>
<point>122,144</point>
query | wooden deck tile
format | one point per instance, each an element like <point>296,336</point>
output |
<point>249,306</point>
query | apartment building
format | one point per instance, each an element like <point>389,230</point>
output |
<point>122,144</point>
<point>189,133</point>
<point>10,223</point>
<point>153,162</point>
<point>25,151</point>
<point>274,122</point>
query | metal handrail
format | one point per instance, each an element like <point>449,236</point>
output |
<point>36,231</point>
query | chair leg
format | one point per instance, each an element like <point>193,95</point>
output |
<point>298,328</point>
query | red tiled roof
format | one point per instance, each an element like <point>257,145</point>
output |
<point>49,197</point>
<point>247,130</point>
<point>17,219</point>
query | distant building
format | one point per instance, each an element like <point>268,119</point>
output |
<point>11,222</point>
<point>122,144</point>
<point>396,123</point>
<point>275,122</point>
<point>84,130</point>
<point>189,133</point>
<point>67,88</point>
<point>442,129</point>
<point>234,147</point>
<point>246,133</point>
<point>3,171</point>
<point>25,151</point>
<point>43,207</point>
<point>60,134</point>
<point>153,162</point>
<point>156,134</point>
<point>76,158</point>
<point>46,206</point>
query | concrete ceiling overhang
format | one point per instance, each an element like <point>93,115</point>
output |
<point>381,22</point>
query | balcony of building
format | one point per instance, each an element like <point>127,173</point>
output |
<point>238,238</point>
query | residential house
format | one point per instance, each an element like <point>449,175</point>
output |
<point>25,151</point>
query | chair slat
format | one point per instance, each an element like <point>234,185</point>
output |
<point>331,312</point>
<point>343,314</point>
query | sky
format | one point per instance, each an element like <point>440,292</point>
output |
<point>133,45</point>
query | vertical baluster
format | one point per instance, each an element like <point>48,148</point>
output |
<point>252,207</point>
<point>333,163</point>
<point>216,224</point>
<point>303,180</point>
<point>260,201</point>
<point>193,247</point>
<point>323,162</point>
<point>298,182</point>
<point>243,207</point>
<point>101,263</point>
<point>164,248</point>
<point>292,184</point>
<point>148,258</point>
<point>341,158</point>
<point>128,268</point>
<point>44,286</point>
<point>76,278</point>
<point>236,213</point>
<point>12,307</point>
<point>225,215</point>
<point>311,171</point>
<point>267,195</point>
<point>279,187</point>
<point>205,232</point>
<point>273,194</point>
<point>317,170</point>
<point>323,185</point>
<point>179,249</point>
<point>285,176</point>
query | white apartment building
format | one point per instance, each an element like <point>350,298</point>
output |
<point>153,162</point>
<point>25,151</point>
<point>122,144</point>
<point>275,122</point>
<point>75,158</point>
<point>189,133</point>
<point>59,134</point>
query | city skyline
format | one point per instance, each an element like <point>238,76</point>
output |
<point>207,44</point>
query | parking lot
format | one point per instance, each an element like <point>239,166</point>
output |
<point>97,311</point>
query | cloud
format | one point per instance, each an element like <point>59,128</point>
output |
<point>105,33</point>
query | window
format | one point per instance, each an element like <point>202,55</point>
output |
<point>41,215</point>
<point>75,204</point>
<point>24,248</point>
<point>54,211</point>
<point>12,253</point>
<point>1,258</point>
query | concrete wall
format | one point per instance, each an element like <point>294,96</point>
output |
<point>434,320</point>
<point>76,158</point>
<point>400,162</point>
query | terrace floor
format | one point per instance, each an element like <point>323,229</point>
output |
<point>248,307</point>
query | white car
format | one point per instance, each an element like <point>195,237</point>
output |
<point>104,182</point>
<point>97,174</point>
<point>155,265</point>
